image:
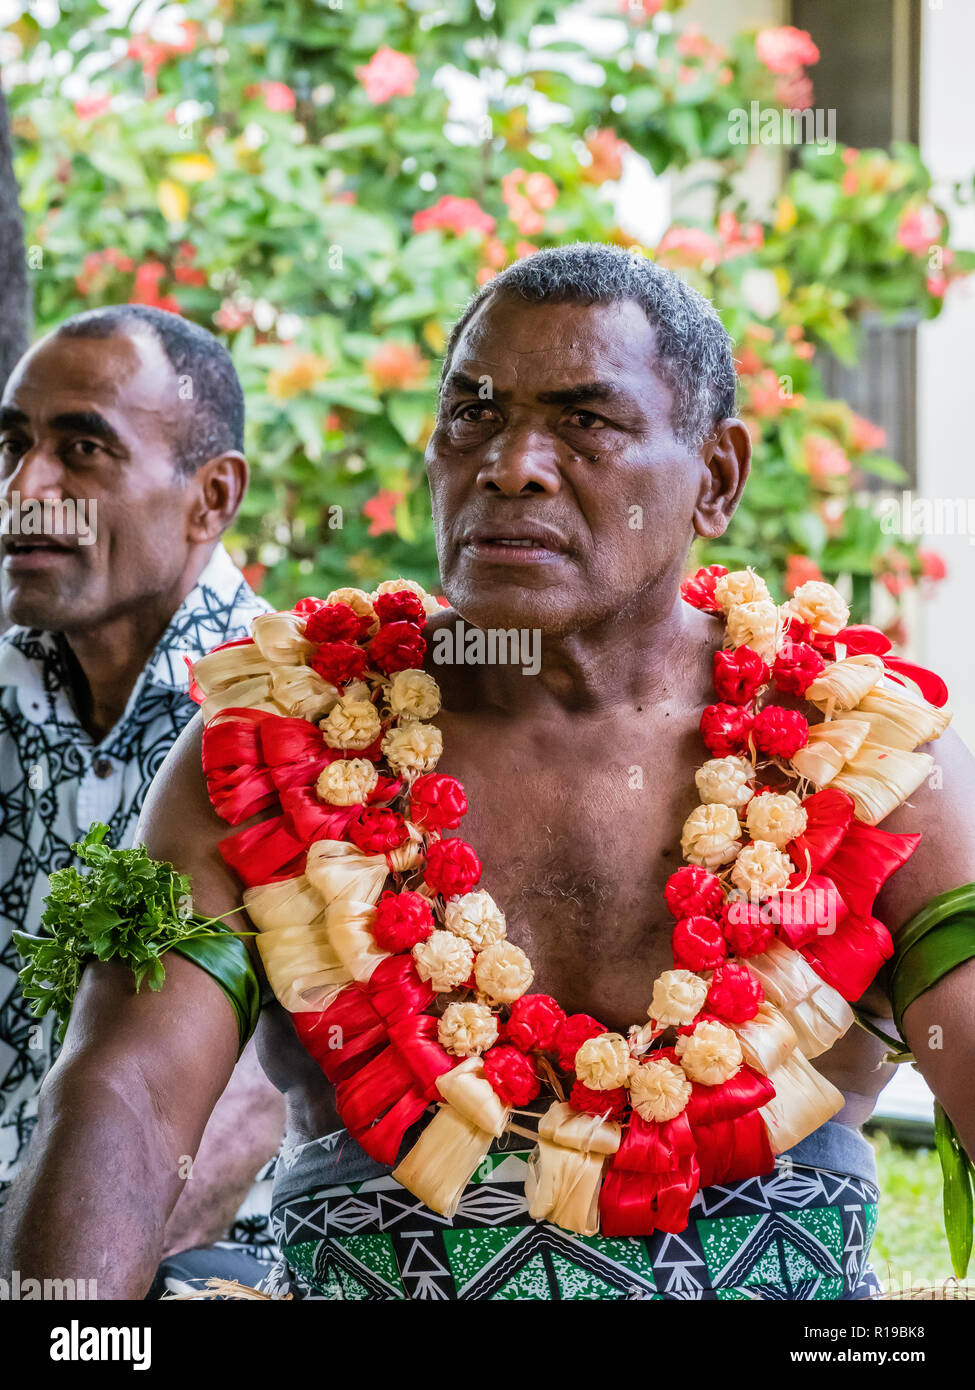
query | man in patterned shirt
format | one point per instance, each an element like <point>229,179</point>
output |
<point>127,422</point>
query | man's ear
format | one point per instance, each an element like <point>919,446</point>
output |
<point>218,488</point>
<point>727,455</point>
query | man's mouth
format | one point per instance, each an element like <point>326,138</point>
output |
<point>21,553</point>
<point>517,543</point>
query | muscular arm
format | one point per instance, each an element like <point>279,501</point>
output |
<point>123,1109</point>
<point>940,1024</point>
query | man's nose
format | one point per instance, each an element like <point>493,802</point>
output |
<point>38,474</point>
<point>521,461</point>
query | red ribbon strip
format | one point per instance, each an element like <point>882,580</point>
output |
<point>381,1054</point>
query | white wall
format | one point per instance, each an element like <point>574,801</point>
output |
<point>946,367</point>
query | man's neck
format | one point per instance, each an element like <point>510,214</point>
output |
<point>637,658</point>
<point>110,656</point>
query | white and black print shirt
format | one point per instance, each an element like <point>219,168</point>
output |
<point>55,781</point>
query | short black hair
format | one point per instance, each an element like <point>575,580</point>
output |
<point>694,349</point>
<point>215,424</point>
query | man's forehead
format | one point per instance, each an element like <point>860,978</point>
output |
<point>123,373</point>
<point>549,346</point>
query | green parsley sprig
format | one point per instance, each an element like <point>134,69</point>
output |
<point>126,907</point>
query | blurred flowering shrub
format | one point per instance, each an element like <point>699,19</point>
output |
<point>306,179</point>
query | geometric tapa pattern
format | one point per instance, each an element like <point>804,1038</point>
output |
<point>796,1234</point>
<point>55,781</point>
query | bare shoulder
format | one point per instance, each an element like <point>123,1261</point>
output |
<point>941,810</point>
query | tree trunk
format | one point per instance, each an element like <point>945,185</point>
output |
<point>15,311</point>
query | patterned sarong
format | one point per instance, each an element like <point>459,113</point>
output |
<point>798,1233</point>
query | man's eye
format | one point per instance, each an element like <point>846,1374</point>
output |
<point>585,420</point>
<point>473,414</point>
<point>86,448</point>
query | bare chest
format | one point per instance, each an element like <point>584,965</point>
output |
<point>578,829</point>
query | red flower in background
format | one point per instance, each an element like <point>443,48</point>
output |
<point>379,510</point>
<point>452,214</point>
<point>798,570</point>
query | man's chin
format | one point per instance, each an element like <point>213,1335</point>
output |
<point>550,612</point>
<point>38,605</point>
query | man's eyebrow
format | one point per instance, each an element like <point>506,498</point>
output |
<point>460,381</point>
<point>606,391</point>
<point>587,391</point>
<point>10,416</point>
<point>87,422</point>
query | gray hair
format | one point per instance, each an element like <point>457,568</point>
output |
<point>694,349</point>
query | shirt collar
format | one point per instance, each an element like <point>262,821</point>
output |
<point>219,607</point>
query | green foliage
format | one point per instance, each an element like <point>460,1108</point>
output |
<point>909,1247</point>
<point>245,171</point>
<point>128,907</point>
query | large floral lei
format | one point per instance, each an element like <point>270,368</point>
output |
<point>412,996</point>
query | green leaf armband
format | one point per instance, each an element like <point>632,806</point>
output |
<point>936,940</point>
<point>129,907</point>
<point>224,957</point>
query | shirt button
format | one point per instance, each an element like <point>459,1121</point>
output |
<point>102,767</point>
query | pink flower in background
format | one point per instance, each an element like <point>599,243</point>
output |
<point>525,248</point>
<point>86,108</point>
<point>794,92</point>
<point>933,566</point>
<point>277,96</point>
<point>799,569</point>
<point>607,150</point>
<point>230,317</point>
<point>896,575</point>
<point>919,229</point>
<point>739,237</point>
<point>785,49</point>
<point>387,74</point>
<point>694,43</point>
<point>825,459</point>
<point>865,436</point>
<point>527,196</point>
<point>688,246</point>
<point>380,509</point>
<point>453,214</point>
<point>632,8</point>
